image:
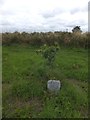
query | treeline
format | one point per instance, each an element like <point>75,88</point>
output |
<point>49,38</point>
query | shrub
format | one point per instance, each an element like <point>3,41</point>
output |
<point>49,53</point>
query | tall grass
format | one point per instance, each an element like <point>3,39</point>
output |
<point>37,39</point>
<point>24,85</point>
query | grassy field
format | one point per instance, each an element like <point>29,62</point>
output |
<point>25,77</point>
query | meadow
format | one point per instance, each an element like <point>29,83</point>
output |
<point>24,85</point>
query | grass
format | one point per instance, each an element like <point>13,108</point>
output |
<point>25,77</point>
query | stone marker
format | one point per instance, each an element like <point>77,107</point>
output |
<point>53,85</point>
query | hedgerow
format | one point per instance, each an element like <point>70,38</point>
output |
<point>38,39</point>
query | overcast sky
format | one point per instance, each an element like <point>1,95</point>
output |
<point>43,15</point>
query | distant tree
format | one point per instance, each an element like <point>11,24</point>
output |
<point>76,29</point>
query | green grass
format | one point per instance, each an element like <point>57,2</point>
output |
<point>25,76</point>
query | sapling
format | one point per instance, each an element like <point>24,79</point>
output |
<point>49,53</point>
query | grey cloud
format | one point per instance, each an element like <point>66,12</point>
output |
<point>47,25</point>
<point>2,2</point>
<point>53,13</point>
<point>85,9</point>
<point>55,24</point>
<point>70,25</point>
<point>48,15</point>
<point>7,12</point>
<point>75,10</point>
<point>54,21</point>
<point>74,23</point>
<point>5,23</point>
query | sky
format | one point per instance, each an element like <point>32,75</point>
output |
<point>43,15</point>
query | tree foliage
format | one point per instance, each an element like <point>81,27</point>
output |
<point>49,53</point>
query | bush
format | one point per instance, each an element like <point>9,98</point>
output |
<point>49,53</point>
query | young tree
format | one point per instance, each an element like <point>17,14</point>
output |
<point>49,53</point>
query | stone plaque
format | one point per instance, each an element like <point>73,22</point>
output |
<point>53,85</point>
